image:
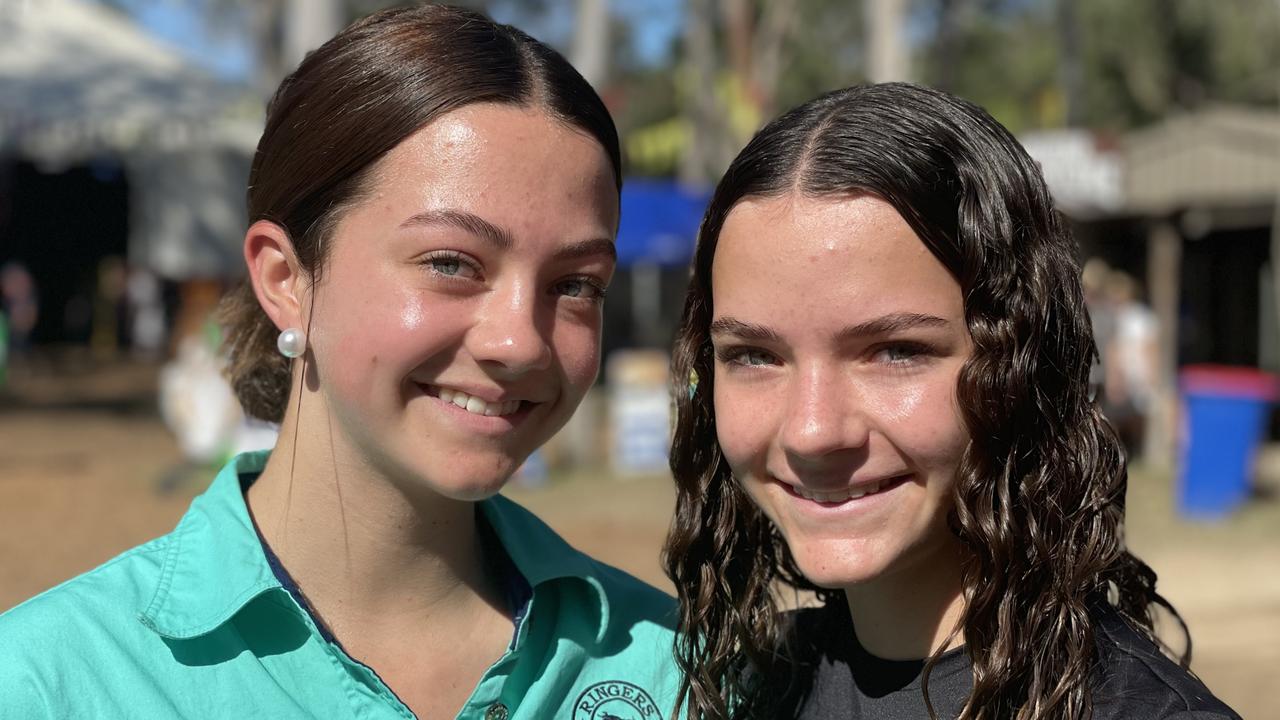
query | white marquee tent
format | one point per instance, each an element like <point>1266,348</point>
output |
<point>80,81</point>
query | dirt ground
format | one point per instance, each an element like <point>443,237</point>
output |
<point>87,470</point>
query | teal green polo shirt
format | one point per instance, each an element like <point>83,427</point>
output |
<point>196,625</point>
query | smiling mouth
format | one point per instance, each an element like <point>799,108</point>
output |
<point>475,405</point>
<point>836,497</point>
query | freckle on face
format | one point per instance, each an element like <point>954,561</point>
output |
<point>873,421</point>
<point>393,331</point>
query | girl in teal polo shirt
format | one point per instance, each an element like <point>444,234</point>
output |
<point>433,203</point>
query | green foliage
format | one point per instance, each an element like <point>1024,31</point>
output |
<point>1148,58</point>
<point>1004,59</point>
<point>822,53</point>
<point>1138,60</point>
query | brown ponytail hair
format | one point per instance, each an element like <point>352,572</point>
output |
<point>349,103</point>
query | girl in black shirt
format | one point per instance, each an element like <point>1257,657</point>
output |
<point>888,354</point>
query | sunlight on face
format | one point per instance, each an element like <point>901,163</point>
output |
<point>457,322</point>
<point>838,339</point>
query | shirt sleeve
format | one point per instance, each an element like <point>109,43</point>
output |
<point>21,693</point>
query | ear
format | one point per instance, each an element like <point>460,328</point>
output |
<point>278,279</point>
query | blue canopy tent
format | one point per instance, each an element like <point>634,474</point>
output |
<point>658,233</point>
<point>659,223</point>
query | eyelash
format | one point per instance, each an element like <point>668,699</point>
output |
<point>440,256</point>
<point>597,289</point>
<point>917,352</point>
<point>736,355</point>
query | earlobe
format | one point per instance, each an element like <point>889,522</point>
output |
<point>278,278</point>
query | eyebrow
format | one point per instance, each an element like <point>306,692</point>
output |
<point>465,221</point>
<point>587,248</point>
<point>501,238</point>
<point>744,330</point>
<point>887,324</point>
<point>894,322</point>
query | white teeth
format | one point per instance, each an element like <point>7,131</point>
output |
<point>839,495</point>
<point>477,406</point>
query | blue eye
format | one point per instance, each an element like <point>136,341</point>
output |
<point>746,357</point>
<point>903,353</point>
<point>580,288</point>
<point>451,265</point>
<point>446,267</point>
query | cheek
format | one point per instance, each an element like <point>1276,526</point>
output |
<point>376,333</point>
<point>928,426</point>
<point>743,426</point>
<point>576,347</point>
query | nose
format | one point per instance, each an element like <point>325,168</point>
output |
<point>506,335</point>
<point>824,416</point>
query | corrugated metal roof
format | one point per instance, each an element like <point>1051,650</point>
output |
<point>1224,156</point>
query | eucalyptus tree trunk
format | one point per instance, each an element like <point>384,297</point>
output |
<point>696,164</point>
<point>590,53</point>
<point>887,51</point>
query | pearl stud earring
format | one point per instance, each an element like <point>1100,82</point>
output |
<point>291,343</point>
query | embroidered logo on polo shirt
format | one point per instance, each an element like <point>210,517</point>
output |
<point>615,700</point>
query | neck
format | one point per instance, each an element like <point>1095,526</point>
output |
<point>911,613</point>
<point>365,552</point>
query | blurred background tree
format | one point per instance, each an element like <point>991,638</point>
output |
<point>731,64</point>
<point>1101,64</point>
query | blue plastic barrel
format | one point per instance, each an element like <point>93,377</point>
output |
<point>1226,416</point>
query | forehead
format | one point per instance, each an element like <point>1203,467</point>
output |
<point>845,259</point>
<point>510,158</point>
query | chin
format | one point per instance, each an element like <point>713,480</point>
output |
<point>458,484</point>
<point>471,480</point>
<point>838,564</point>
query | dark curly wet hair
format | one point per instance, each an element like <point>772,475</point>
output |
<point>1039,497</point>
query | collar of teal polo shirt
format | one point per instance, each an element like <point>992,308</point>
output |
<point>541,555</point>
<point>215,565</point>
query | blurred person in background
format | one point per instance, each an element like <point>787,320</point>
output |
<point>110,308</point>
<point>893,411</point>
<point>433,204</point>
<point>1130,358</point>
<point>19,301</point>
<point>1093,280</point>
<point>146,314</point>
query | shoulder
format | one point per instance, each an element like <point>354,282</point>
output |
<point>631,635</point>
<point>542,556</point>
<point>71,629</point>
<point>631,598</point>
<point>608,631</point>
<point>817,633</point>
<point>124,583</point>
<point>1137,680</point>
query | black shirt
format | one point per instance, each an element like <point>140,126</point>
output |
<point>838,678</point>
